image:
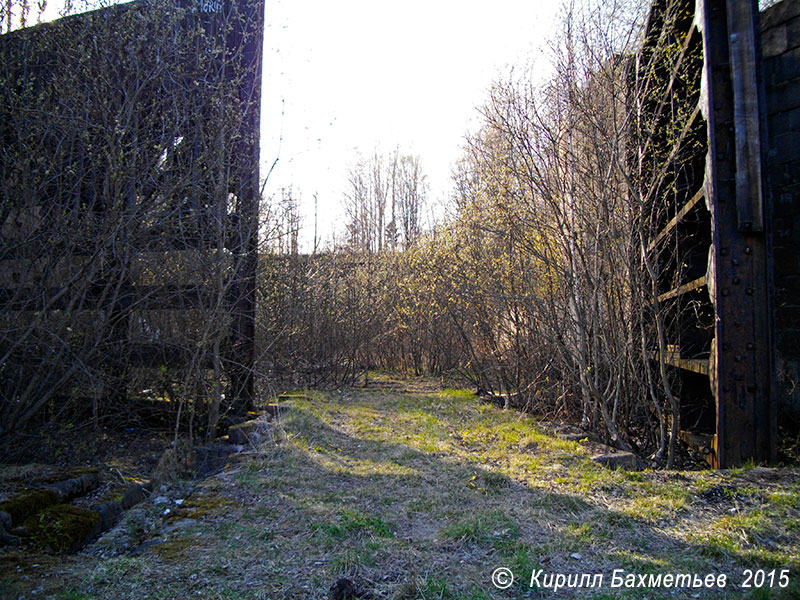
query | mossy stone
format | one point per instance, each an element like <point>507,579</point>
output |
<point>201,506</point>
<point>61,528</point>
<point>28,503</point>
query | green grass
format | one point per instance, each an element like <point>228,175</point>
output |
<point>420,493</point>
<point>74,595</point>
<point>353,522</point>
<point>482,528</point>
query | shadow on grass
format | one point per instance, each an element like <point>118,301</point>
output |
<point>402,523</point>
<point>442,505</point>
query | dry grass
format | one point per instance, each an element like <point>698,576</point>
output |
<point>418,493</point>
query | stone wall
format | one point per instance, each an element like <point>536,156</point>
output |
<point>780,39</point>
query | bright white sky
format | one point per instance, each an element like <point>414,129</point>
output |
<point>348,76</point>
<point>360,75</point>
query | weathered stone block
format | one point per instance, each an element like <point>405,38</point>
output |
<point>249,432</point>
<point>793,33</point>
<point>785,204</point>
<point>274,410</point>
<point>786,261</point>
<point>787,316</point>
<point>26,504</point>
<point>774,41</point>
<point>619,460</point>
<point>788,342</point>
<point>779,13</point>
<point>211,458</point>
<point>784,122</point>
<point>61,528</point>
<point>785,144</point>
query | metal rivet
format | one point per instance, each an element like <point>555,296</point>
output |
<point>725,292</point>
<point>748,250</point>
<point>736,281</point>
<point>749,291</point>
<point>735,262</point>
<point>723,251</point>
<point>750,345</point>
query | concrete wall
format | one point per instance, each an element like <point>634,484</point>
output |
<point>780,40</point>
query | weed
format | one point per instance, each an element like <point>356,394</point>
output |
<point>654,508</point>
<point>494,482</point>
<point>175,550</point>
<point>434,588</point>
<point>482,528</point>
<point>353,522</point>
<point>785,498</point>
<point>115,570</point>
<point>74,595</point>
<point>518,557</point>
<point>456,395</point>
<point>579,532</point>
<point>349,559</point>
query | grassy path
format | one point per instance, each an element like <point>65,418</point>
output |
<point>413,492</point>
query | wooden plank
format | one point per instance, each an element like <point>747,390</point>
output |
<point>704,443</point>
<point>695,365</point>
<point>684,289</point>
<point>746,117</point>
<point>699,195</point>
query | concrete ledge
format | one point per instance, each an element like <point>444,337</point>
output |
<point>76,486</point>
<point>111,509</point>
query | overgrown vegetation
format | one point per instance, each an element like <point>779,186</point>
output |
<point>541,289</point>
<point>415,492</point>
<point>538,289</point>
<point>128,215</point>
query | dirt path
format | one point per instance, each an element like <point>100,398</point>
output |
<point>411,492</point>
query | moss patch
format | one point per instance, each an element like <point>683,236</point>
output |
<point>201,506</point>
<point>28,503</point>
<point>174,550</point>
<point>61,528</point>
